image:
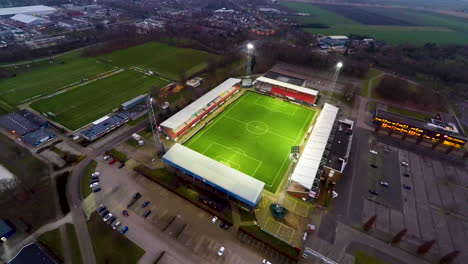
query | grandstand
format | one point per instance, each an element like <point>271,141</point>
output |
<point>286,90</point>
<point>189,117</point>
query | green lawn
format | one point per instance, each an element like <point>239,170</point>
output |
<point>73,244</point>
<point>83,105</point>
<point>51,240</point>
<point>86,179</point>
<point>43,78</point>
<point>166,60</point>
<point>110,246</point>
<point>425,26</point>
<point>254,135</point>
<point>362,258</point>
<point>371,74</point>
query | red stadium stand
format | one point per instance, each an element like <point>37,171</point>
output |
<point>296,95</point>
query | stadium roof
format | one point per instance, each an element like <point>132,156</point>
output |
<point>183,115</point>
<point>25,10</point>
<point>27,19</point>
<point>287,85</point>
<point>32,253</point>
<point>216,174</point>
<point>309,162</point>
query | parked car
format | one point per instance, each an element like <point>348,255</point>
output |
<point>137,195</point>
<point>125,212</point>
<point>374,166</point>
<point>112,161</point>
<point>214,219</point>
<point>107,217</point>
<point>145,203</point>
<point>111,220</point>
<point>384,184</point>
<point>224,225</point>
<point>96,173</point>
<point>221,251</point>
<point>94,178</point>
<point>146,213</point>
<point>407,187</point>
<point>94,184</point>
<point>100,208</point>
<point>406,174</point>
<point>373,152</point>
<point>116,225</point>
<point>106,157</point>
<point>373,192</point>
<point>95,190</point>
<point>103,213</point>
<point>264,261</point>
<point>121,165</point>
<point>404,163</point>
<point>124,230</point>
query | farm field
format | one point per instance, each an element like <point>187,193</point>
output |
<point>83,105</point>
<point>169,62</point>
<point>393,25</point>
<point>254,135</point>
<point>43,78</point>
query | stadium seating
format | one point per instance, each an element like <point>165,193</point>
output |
<point>275,90</point>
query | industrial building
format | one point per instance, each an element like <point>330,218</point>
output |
<point>189,117</point>
<point>38,137</point>
<point>28,10</point>
<point>21,122</point>
<point>233,183</point>
<point>29,20</point>
<point>133,102</point>
<point>103,126</point>
<point>6,230</point>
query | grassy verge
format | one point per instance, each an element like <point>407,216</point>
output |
<point>110,246</point>
<point>371,106</point>
<point>362,258</point>
<point>271,241</point>
<point>86,179</point>
<point>417,115</point>
<point>158,175</point>
<point>73,244</point>
<point>137,121</point>
<point>132,142</point>
<point>365,83</point>
<point>246,216</point>
<point>52,242</point>
<point>118,155</point>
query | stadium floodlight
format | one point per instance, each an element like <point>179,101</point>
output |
<point>339,65</point>
<point>250,51</point>
<point>250,46</point>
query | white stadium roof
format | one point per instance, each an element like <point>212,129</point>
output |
<point>309,162</point>
<point>225,178</point>
<point>288,85</point>
<point>28,18</point>
<point>183,115</point>
<point>25,10</point>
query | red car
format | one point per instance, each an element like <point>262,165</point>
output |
<point>125,212</point>
<point>112,161</point>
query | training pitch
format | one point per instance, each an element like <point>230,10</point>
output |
<point>254,135</point>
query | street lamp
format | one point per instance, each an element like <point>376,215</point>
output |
<point>250,51</point>
<point>339,65</point>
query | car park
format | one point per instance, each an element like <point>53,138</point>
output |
<point>144,204</point>
<point>111,220</point>
<point>100,208</point>
<point>116,225</point>
<point>103,213</point>
<point>407,187</point>
<point>94,184</point>
<point>107,217</point>
<point>214,219</point>
<point>125,212</point>
<point>221,251</point>
<point>124,230</point>
<point>373,192</point>
<point>112,161</point>
<point>384,184</point>
<point>121,165</point>
<point>146,213</point>
<point>95,190</point>
<point>106,157</point>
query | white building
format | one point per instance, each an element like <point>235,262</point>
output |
<point>29,20</point>
<point>28,10</point>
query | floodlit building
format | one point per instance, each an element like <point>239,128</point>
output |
<point>27,10</point>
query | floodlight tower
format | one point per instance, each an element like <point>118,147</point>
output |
<point>250,52</point>
<point>155,131</point>
<point>338,67</point>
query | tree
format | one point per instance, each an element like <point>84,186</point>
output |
<point>449,258</point>
<point>397,238</point>
<point>425,247</point>
<point>368,225</point>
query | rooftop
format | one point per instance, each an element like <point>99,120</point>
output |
<point>21,122</point>
<point>28,19</point>
<point>32,253</point>
<point>216,174</point>
<point>25,9</point>
<point>183,115</point>
<point>284,78</point>
<point>287,85</point>
<point>104,126</point>
<point>339,150</point>
<point>38,137</point>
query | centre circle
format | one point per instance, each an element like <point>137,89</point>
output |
<point>257,127</point>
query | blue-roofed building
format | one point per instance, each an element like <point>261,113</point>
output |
<point>105,126</point>
<point>134,102</point>
<point>21,122</point>
<point>6,229</point>
<point>32,254</point>
<point>38,137</point>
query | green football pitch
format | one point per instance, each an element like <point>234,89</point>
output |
<point>254,135</point>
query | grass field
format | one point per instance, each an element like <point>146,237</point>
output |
<point>80,106</point>
<point>43,78</point>
<point>393,25</point>
<point>254,135</point>
<point>86,179</point>
<point>170,62</point>
<point>73,244</point>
